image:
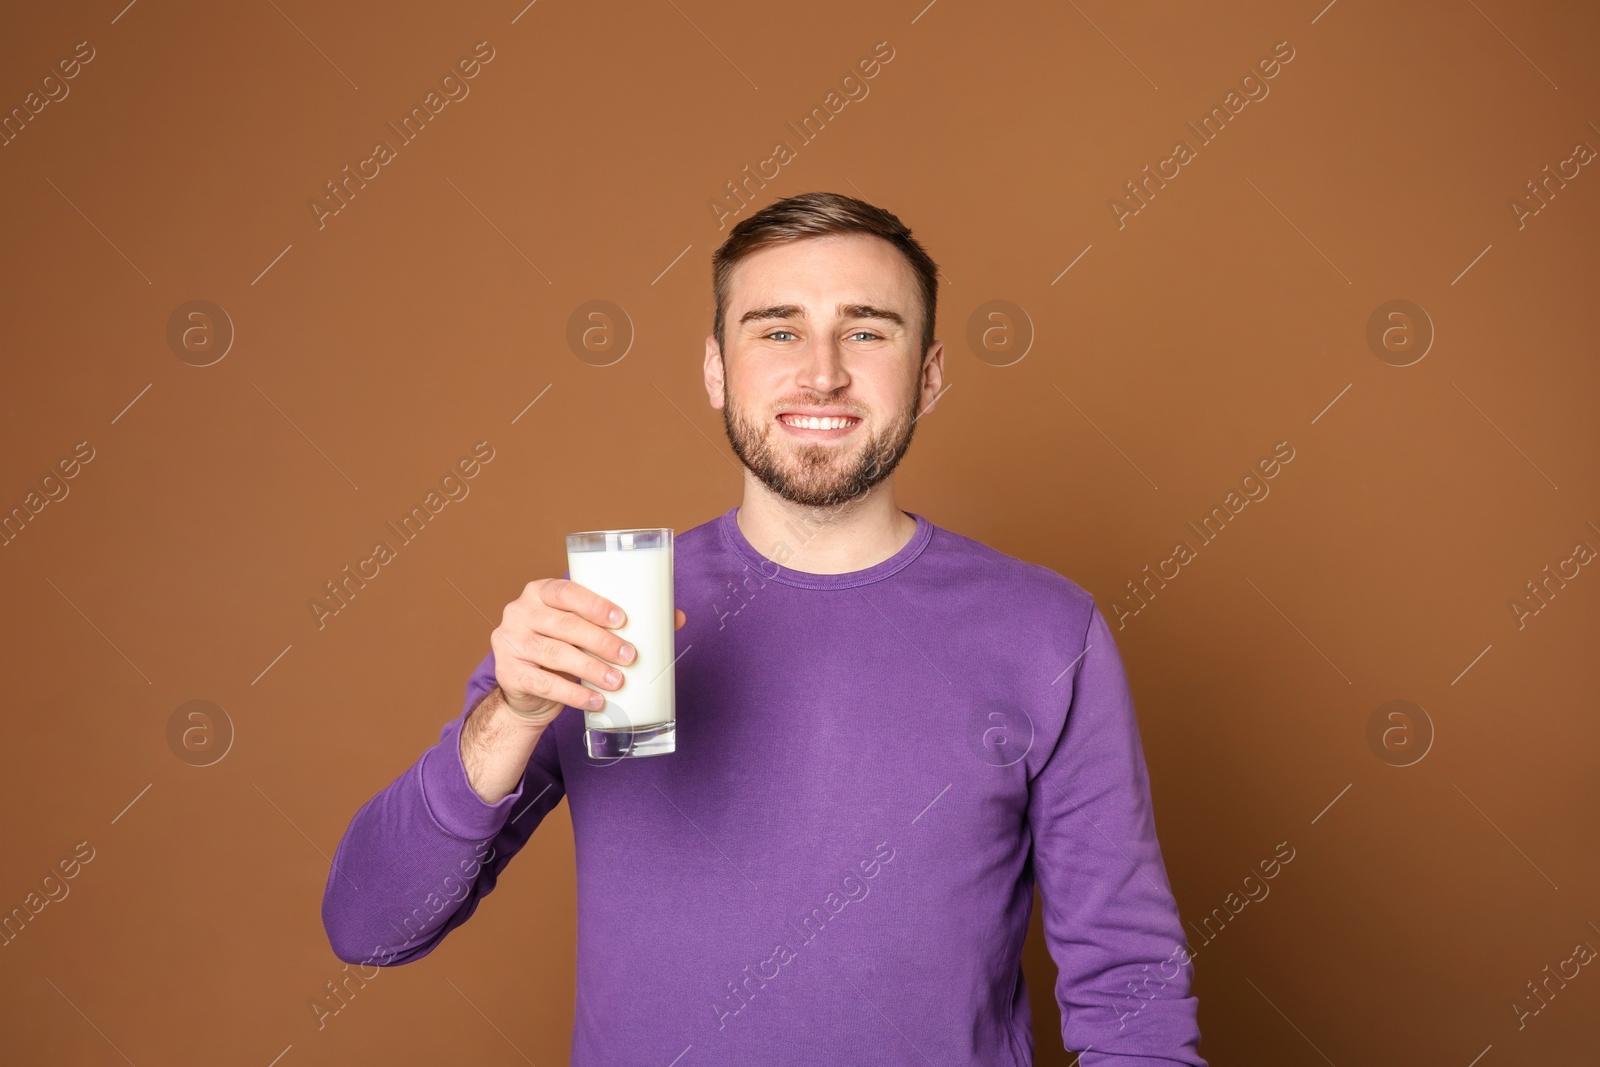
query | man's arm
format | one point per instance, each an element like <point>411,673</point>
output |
<point>418,856</point>
<point>1110,919</point>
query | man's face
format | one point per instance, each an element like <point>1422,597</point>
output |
<point>823,325</point>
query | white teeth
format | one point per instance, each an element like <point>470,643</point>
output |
<point>812,422</point>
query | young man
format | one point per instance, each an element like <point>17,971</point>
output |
<point>887,732</point>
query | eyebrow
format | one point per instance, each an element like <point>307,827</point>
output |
<point>847,311</point>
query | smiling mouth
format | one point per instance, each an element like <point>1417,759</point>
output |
<point>819,426</point>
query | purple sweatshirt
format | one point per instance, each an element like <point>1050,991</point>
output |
<point>837,864</point>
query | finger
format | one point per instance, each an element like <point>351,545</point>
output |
<point>555,655</point>
<point>580,633</point>
<point>567,595</point>
<point>682,618</point>
<point>532,683</point>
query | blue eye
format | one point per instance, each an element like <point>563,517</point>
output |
<point>780,331</point>
<point>869,333</point>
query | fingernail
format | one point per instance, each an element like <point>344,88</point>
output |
<point>627,653</point>
<point>616,616</point>
<point>613,678</point>
<point>597,702</point>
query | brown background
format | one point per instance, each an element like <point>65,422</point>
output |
<point>1228,315</point>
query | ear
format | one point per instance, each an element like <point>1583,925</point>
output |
<point>931,381</point>
<point>713,372</point>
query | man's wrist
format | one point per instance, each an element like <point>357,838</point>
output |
<point>495,745</point>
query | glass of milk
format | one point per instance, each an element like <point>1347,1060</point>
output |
<point>632,569</point>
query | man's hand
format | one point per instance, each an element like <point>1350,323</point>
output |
<point>554,634</point>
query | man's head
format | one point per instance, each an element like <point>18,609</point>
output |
<point>824,304</point>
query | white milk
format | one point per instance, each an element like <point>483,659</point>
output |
<point>639,581</point>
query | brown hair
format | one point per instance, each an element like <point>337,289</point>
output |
<point>819,215</point>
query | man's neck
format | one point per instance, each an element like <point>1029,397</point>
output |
<point>829,540</point>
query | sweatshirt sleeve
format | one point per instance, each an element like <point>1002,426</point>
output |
<point>418,857</point>
<point>1110,919</point>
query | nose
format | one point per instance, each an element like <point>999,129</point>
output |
<point>822,368</point>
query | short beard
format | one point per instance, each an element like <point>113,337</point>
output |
<point>812,482</point>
